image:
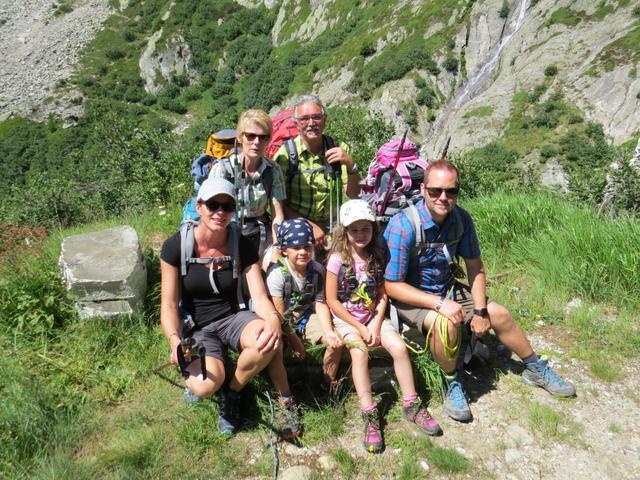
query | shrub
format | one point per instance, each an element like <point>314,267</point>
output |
<point>504,10</point>
<point>426,97</point>
<point>547,151</point>
<point>450,64</point>
<point>114,54</point>
<point>367,49</point>
<point>551,71</point>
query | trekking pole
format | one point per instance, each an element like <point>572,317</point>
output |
<point>387,192</point>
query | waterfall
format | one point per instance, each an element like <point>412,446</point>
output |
<point>488,67</point>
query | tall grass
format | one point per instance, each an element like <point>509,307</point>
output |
<point>567,249</point>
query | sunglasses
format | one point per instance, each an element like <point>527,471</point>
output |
<point>436,192</point>
<point>307,118</point>
<point>214,205</point>
<point>252,136</point>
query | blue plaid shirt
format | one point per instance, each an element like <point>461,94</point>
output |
<point>432,272</point>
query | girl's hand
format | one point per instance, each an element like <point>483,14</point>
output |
<point>332,339</point>
<point>376,336</point>
<point>364,333</point>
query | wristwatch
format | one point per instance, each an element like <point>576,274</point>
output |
<point>481,312</point>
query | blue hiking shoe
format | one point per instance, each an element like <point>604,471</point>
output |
<point>541,375</point>
<point>455,402</point>
<point>229,419</point>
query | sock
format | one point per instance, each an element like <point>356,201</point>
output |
<point>328,379</point>
<point>531,359</point>
<point>408,399</point>
<point>450,377</point>
<point>370,408</point>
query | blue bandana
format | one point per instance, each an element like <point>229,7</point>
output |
<point>292,233</point>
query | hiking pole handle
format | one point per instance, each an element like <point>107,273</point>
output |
<point>387,192</point>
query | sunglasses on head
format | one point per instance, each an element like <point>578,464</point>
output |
<point>436,192</point>
<point>214,205</point>
<point>307,118</point>
<point>252,136</point>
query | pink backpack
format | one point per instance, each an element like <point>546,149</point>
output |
<point>405,186</point>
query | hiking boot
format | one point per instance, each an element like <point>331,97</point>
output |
<point>189,397</point>
<point>330,387</point>
<point>540,374</point>
<point>455,402</point>
<point>414,413</point>
<point>229,419</point>
<point>290,419</point>
<point>373,441</point>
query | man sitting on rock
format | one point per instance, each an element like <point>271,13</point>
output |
<point>419,279</point>
<point>311,177</point>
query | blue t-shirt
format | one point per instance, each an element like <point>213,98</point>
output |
<point>432,273</point>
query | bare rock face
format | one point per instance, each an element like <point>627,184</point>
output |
<point>175,57</point>
<point>105,271</point>
<point>39,49</point>
<point>313,26</point>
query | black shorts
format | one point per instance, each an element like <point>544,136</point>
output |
<point>223,333</point>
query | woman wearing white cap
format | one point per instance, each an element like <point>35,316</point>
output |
<point>206,280</point>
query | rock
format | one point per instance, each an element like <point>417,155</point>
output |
<point>512,455</point>
<point>327,463</point>
<point>299,472</point>
<point>105,271</point>
<point>424,465</point>
<point>519,435</point>
<point>574,304</point>
<point>554,177</point>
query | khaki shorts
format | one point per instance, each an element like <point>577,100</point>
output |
<point>343,328</point>
<point>415,316</point>
<point>313,330</point>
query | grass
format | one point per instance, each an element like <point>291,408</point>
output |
<point>564,16</point>
<point>483,111</point>
<point>94,408</point>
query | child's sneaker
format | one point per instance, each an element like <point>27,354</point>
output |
<point>229,419</point>
<point>291,427</point>
<point>540,374</point>
<point>414,413</point>
<point>373,441</point>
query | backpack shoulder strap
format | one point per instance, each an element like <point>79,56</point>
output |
<point>233,246</point>
<point>187,243</point>
<point>293,158</point>
<point>267,178</point>
<point>414,218</point>
<point>287,282</point>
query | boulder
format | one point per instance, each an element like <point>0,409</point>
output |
<point>105,271</point>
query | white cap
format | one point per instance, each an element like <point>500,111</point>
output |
<point>216,186</point>
<point>355,210</point>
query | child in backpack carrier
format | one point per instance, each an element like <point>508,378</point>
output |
<point>296,286</point>
<point>357,299</point>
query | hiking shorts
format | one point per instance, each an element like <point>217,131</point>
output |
<point>415,316</point>
<point>223,333</point>
<point>343,328</point>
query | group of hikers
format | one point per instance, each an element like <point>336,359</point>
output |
<point>319,268</point>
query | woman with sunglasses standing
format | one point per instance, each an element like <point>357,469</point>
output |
<point>205,281</point>
<point>258,182</point>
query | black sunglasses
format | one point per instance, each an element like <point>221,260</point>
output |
<point>214,205</point>
<point>436,192</point>
<point>252,136</point>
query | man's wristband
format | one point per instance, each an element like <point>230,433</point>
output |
<point>353,170</point>
<point>439,304</point>
<point>481,312</point>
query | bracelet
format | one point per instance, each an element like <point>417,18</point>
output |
<point>439,304</point>
<point>353,170</point>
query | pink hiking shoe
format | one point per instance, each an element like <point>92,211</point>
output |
<point>414,413</point>
<point>373,442</point>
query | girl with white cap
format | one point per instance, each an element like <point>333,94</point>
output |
<point>356,296</point>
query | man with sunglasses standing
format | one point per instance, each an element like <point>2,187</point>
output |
<point>312,163</point>
<point>420,279</point>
